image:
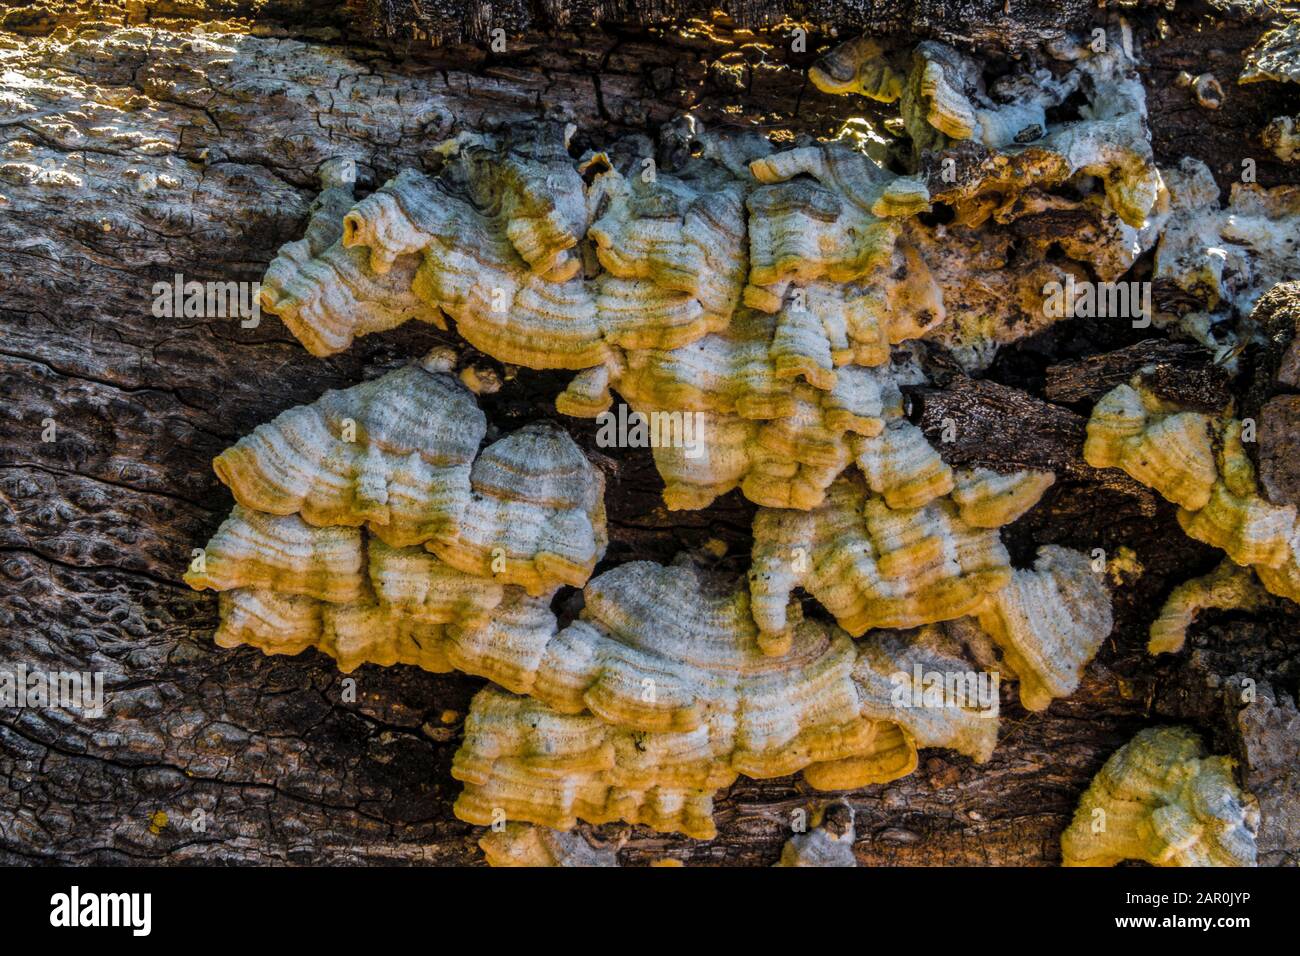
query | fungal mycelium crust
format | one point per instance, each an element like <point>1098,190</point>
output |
<point>1160,799</point>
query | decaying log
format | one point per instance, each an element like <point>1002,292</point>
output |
<point>1179,371</point>
<point>147,146</point>
<point>987,22</point>
<point>979,422</point>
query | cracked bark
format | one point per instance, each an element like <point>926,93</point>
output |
<point>142,147</point>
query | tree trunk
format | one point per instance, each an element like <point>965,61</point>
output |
<point>147,139</point>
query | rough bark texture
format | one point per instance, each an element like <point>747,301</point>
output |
<point>144,147</point>
<point>987,22</point>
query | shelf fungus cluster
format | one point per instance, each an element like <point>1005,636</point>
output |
<point>378,526</point>
<point>519,844</point>
<point>1161,800</point>
<point>938,558</point>
<point>1198,461</point>
<point>372,526</point>
<point>772,300</point>
<point>680,700</point>
<point>757,288</point>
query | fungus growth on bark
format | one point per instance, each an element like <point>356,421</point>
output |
<point>778,296</point>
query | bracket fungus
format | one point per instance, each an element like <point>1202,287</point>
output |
<point>1049,622</point>
<point>829,213</point>
<point>1228,586</point>
<point>860,65</point>
<point>369,524</point>
<point>871,565</point>
<point>761,302</point>
<point>423,614</point>
<point>499,233</point>
<point>326,293</point>
<point>392,454</point>
<point>781,443</point>
<point>1198,462</point>
<point>945,96</point>
<point>829,843</point>
<point>519,844</point>
<point>1237,518</point>
<point>826,707</point>
<point>471,269</point>
<point>674,253</point>
<point>989,499</point>
<point>535,515</point>
<point>1154,442</point>
<point>1162,800</point>
<point>283,553</point>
